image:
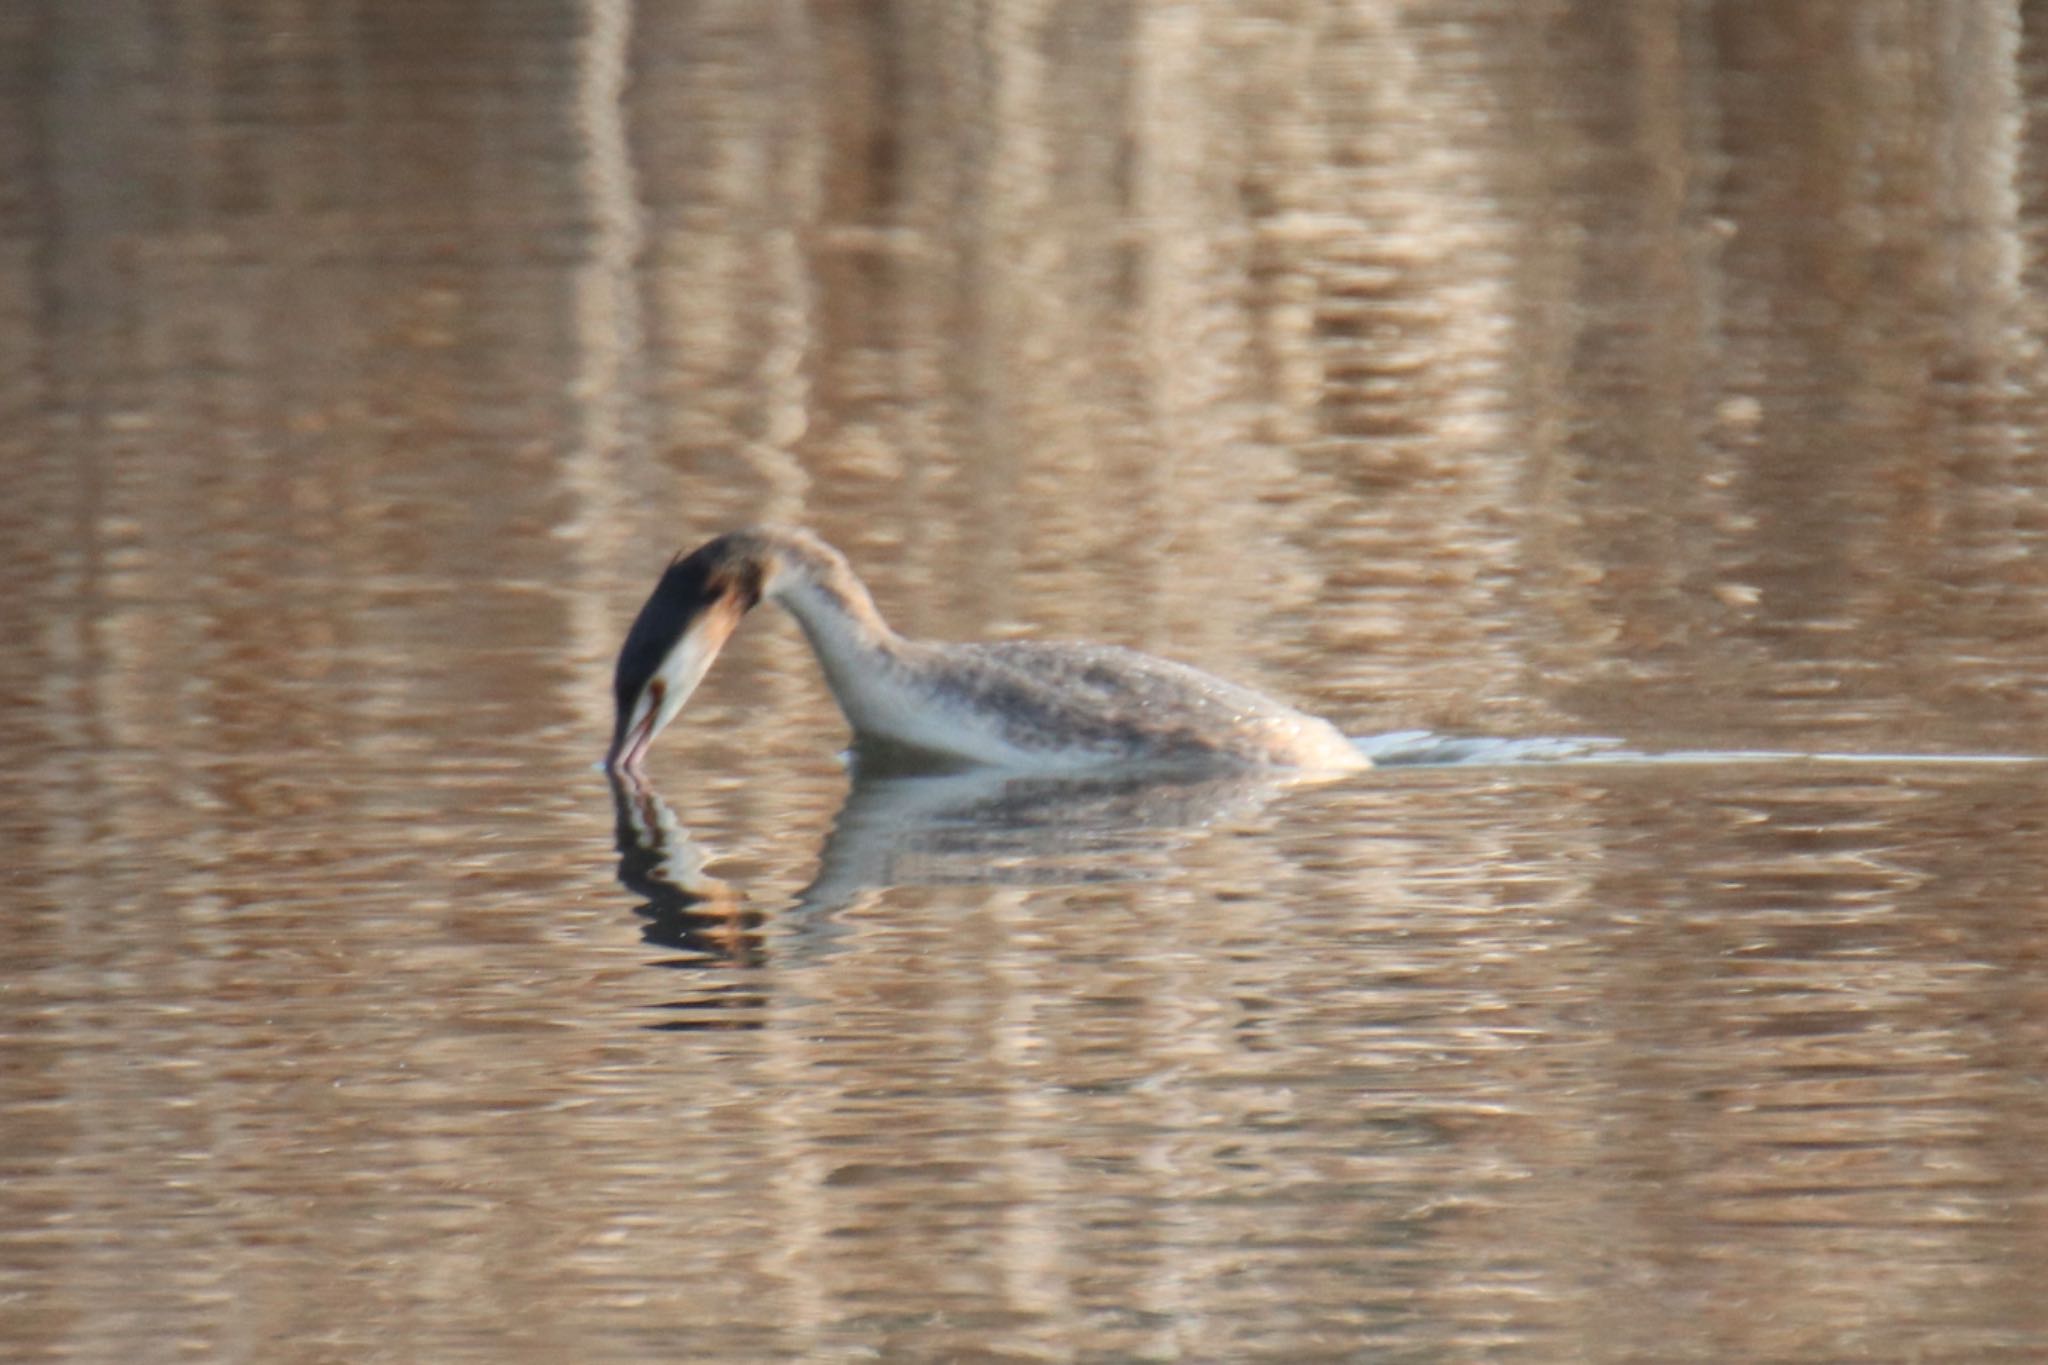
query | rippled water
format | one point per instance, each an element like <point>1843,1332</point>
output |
<point>1502,374</point>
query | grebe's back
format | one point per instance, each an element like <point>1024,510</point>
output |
<point>1026,704</point>
<point>1050,703</point>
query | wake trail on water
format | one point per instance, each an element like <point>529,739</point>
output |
<point>1427,749</point>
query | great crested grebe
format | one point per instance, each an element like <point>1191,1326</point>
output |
<point>1023,704</point>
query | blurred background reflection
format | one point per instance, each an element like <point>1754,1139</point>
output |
<point>1668,371</point>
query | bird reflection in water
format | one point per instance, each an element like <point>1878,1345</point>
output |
<point>898,828</point>
<point>687,909</point>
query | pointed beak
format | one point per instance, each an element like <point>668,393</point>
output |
<point>667,653</point>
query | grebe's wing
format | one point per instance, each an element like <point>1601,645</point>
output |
<point>1115,680</point>
<point>1119,701</point>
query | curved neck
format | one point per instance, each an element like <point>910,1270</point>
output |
<point>853,643</point>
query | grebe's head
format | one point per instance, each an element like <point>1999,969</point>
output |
<point>680,630</point>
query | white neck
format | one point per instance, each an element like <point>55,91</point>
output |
<point>862,657</point>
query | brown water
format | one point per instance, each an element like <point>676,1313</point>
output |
<point>1667,371</point>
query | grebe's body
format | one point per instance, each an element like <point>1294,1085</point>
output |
<point>1028,705</point>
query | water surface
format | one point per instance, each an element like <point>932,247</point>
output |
<point>1664,373</point>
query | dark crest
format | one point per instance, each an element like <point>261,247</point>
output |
<point>692,582</point>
